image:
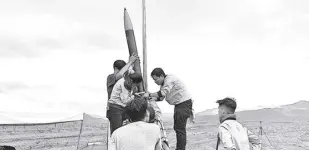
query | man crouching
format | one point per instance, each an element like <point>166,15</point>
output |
<point>138,134</point>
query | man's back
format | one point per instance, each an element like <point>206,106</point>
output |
<point>175,91</point>
<point>136,136</point>
<point>234,136</point>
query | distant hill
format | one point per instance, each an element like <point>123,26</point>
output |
<point>7,119</point>
<point>290,112</point>
<point>213,111</point>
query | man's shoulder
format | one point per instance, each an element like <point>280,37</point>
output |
<point>169,78</point>
<point>141,125</point>
<point>120,131</point>
<point>135,129</point>
<point>111,78</point>
<point>152,127</point>
<point>230,123</point>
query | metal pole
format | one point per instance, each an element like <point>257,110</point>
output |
<point>81,129</point>
<point>144,47</point>
<point>260,135</point>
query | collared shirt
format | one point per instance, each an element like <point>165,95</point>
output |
<point>120,95</point>
<point>174,90</point>
<point>136,136</point>
<point>111,81</point>
<point>234,136</point>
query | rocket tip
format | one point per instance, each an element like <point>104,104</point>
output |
<point>125,9</point>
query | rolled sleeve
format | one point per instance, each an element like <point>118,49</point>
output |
<point>166,88</point>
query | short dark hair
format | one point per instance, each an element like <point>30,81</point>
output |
<point>230,103</point>
<point>136,109</point>
<point>158,72</point>
<point>119,64</point>
<point>136,77</point>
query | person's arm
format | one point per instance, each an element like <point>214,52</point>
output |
<point>165,89</point>
<point>226,139</point>
<point>132,59</point>
<point>254,140</point>
<point>155,98</point>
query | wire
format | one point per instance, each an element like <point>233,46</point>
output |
<point>268,139</point>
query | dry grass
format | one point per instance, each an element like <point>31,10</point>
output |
<point>281,135</point>
<point>51,136</point>
<point>200,136</point>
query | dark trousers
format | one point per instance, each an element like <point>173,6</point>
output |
<point>182,112</point>
<point>115,115</point>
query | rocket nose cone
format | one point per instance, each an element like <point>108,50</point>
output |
<point>127,21</point>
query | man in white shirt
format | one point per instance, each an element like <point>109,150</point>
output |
<point>120,96</point>
<point>232,135</point>
<point>138,134</point>
<point>175,93</point>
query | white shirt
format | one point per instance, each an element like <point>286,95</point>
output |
<point>136,136</point>
<point>120,95</point>
<point>174,90</point>
<point>234,136</point>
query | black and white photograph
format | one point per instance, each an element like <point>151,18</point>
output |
<point>154,75</point>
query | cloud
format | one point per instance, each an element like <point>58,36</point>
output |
<point>12,86</point>
<point>98,40</point>
<point>15,48</point>
<point>33,35</point>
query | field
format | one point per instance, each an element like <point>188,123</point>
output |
<point>278,135</point>
<point>201,135</point>
<point>58,136</point>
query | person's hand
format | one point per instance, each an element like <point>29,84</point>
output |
<point>152,99</point>
<point>133,57</point>
<point>146,95</point>
<point>139,94</point>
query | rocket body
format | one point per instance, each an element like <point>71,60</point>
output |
<point>132,44</point>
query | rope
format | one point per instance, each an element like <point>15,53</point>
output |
<point>269,140</point>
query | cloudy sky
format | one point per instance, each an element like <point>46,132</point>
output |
<point>55,55</point>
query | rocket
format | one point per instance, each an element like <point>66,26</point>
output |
<point>137,68</point>
<point>132,44</point>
